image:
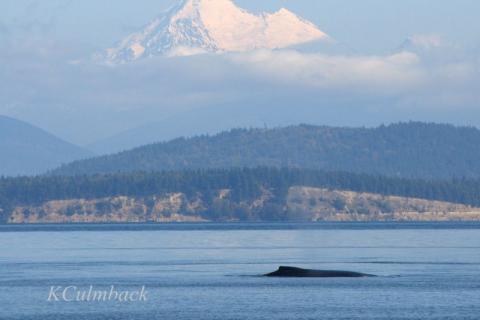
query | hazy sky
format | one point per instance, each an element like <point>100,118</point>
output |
<point>434,78</point>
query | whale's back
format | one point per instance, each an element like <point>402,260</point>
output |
<point>294,272</point>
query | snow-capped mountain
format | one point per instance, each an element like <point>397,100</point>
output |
<point>198,26</point>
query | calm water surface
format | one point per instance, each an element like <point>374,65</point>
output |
<point>210,271</point>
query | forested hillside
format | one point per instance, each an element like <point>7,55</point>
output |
<point>411,150</point>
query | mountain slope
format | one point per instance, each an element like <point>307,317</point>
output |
<point>26,150</point>
<point>194,26</point>
<point>405,150</point>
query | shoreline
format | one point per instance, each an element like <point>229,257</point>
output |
<point>239,226</point>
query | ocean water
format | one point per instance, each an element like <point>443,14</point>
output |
<point>212,271</point>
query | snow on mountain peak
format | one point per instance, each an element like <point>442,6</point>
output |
<point>196,26</point>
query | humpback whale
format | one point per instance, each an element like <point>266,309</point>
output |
<point>292,272</point>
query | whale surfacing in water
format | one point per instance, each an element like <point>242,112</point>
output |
<point>292,272</point>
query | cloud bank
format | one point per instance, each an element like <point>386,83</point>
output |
<point>45,82</point>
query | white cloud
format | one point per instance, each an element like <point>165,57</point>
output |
<point>427,40</point>
<point>390,74</point>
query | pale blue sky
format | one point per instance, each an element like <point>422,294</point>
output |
<point>369,26</point>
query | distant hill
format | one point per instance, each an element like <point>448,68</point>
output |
<point>419,150</point>
<point>28,150</point>
<point>199,122</point>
